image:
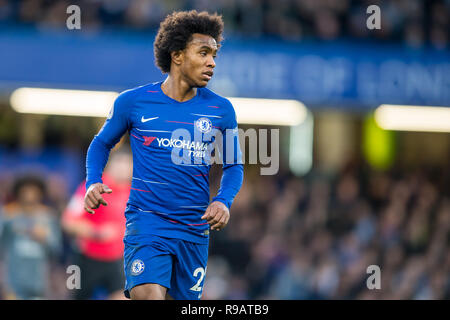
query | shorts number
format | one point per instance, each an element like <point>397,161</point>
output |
<point>197,287</point>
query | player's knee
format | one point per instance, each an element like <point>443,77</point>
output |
<point>148,291</point>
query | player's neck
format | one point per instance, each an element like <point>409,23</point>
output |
<point>178,89</point>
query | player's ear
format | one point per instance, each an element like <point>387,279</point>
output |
<point>177,56</point>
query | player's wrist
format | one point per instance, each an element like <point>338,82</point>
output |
<point>91,184</point>
<point>221,200</point>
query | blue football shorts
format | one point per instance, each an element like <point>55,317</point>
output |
<point>176,264</point>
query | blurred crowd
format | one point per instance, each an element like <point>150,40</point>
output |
<point>45,234</point>
<point>315,237</point>
<point>288,238</point>
<point>413,22</point>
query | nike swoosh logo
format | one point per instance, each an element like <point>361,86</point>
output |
<point>148,119</point>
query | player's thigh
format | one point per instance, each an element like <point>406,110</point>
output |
<point>147,260</point>
<point>148,291</point>
<point>189,271</point>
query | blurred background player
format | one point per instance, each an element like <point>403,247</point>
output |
<point>29,237</point>
<point>99,237</point>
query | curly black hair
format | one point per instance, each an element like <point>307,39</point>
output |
<point>176,31</point>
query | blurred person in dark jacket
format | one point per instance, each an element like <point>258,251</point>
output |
<point>99,237</point>
<point>29,237</point>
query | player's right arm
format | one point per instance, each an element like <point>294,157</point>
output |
<point>97,156</point>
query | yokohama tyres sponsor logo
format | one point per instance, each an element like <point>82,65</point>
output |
<point>195,148</point>
<point>185,144</point>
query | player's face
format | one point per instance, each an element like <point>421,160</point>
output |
<point>198,62</point>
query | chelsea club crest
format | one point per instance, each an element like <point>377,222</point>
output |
<point>204,125</point>
<point>137,267</point>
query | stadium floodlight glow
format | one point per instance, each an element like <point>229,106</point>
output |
<point>269,111</point>
<point>63,102</point>
<point>98,104</point>
<point>413,118</point>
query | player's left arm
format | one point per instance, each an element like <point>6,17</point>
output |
<point>218,212</point>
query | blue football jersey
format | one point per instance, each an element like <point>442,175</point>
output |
<point>173,145</point>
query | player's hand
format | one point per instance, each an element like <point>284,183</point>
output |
<point>217,215</point>
<point>93,198</point>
